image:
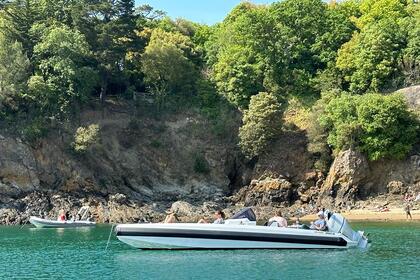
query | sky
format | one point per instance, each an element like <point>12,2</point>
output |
<point>201,11</point>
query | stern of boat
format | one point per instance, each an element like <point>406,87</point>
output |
<point>338,224</point>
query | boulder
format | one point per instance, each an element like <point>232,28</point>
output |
<point>183,208</point>
<point>412,96</point>
<point>347,173</point>
<point>396,187</point>
<point>267,192</point>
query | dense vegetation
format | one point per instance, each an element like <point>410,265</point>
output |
<point>58,55</point>
<point>261,124</point>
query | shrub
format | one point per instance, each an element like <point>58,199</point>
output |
<point>85,137</point>
<point>201,165</point>
<point>261,124</point>
<point>36,129</point>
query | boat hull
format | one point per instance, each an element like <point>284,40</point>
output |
<point>43,223</point>
<point>194,236</point>
<point>165,243</point>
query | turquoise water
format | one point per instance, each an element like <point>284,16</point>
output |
<point>80,254</point>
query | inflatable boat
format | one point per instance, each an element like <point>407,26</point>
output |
<point>81,222</point>
<point>240,232</point>
<point>45,223</point>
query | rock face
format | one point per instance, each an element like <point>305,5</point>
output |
<point>266,192</point>
<point>144,159</point>
<point>18,172</point>
<point>396,187</point>
<point>138,169</point>
<point>352,177</point>
<point>288,157</point>
<point>147,160</point>
<point>412,95</point>
<point>347,173</point>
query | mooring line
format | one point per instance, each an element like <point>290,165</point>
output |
<point>24,224</point>
<point>109,237</point>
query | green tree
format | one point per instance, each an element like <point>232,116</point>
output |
<point>237,53</point>
<point>14,72</point>
<point>261,124</point>
<point>306,21</point>
<point>371,60</point>
<point>63,77</point>
<point>376,10</point>
<point>379,125</point>
<point>410,63</point>
<point>239,75</point>
<point>167,66</point>
<point>388,128</point>
<point>340,25</point>
<point>271,48</point>
<point>85,137</point>
<point>340,120</point>
<point>16,20</point>
<point>110,29</point>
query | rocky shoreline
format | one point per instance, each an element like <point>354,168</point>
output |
<point>345,188</point>
<point>118,208</point>
<point>138,170</point>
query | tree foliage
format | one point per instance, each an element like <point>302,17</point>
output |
<point>61,58</point>
<point>167,65</point>
<point>410,63</point>
<point>56,55</point>
<point>374,59</point>
<point>14,72</point>
<point>379,125</point>
<point>238,69</point>
<point>261,124</point>
<point>85,137</point>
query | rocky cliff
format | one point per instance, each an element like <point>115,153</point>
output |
<point>144,159</point>
<point>140,166</point>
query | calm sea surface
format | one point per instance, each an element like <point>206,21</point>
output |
<point>30,253</point>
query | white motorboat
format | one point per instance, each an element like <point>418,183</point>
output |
<point>240,232</point>
<point>46,223</point>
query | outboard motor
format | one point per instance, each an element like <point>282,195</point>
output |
<point>338,224</point>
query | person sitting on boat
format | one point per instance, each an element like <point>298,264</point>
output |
<point>62,216</point>
<point>279,219</point>
<point>319,224</point>
<point>171,217</point>
<point>219,218</point>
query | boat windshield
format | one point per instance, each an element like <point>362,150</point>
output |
<point>247,213</point>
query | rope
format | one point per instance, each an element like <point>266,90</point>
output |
<point>24,224</point>
<point>109,237</point>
